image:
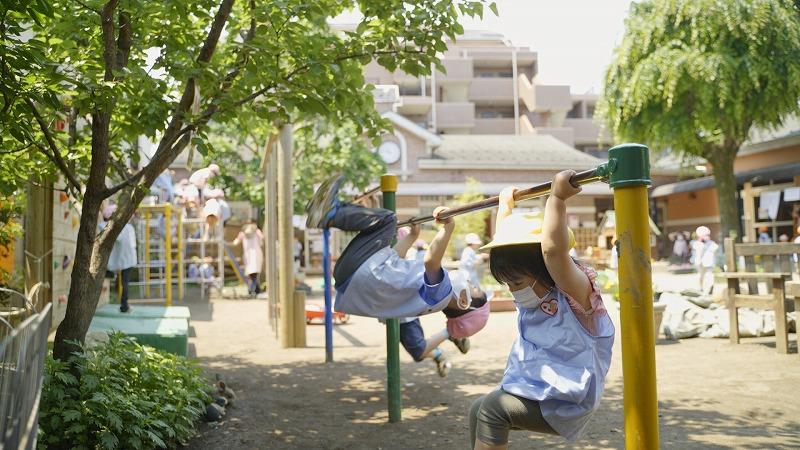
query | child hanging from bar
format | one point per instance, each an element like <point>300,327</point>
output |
<point>556,370</point>
<point>372,279</point>
<point>461,324</point>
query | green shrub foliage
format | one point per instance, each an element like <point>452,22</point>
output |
<point>126,396</point>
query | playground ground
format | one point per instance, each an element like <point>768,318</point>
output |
<point>711,395</point>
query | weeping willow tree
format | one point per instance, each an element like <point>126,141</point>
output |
<point>696,76</point>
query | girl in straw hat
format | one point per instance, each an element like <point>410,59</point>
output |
<point>556,371</point>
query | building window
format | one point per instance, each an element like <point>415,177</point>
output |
<point>594,150</point>
<point>495,113</point>
<point>589,111</point>
<point>489,73</point>
<point>411,90</point>
<point>575,112</point>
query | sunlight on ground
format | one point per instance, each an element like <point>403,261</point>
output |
<point>359,383</point>
<point>381,417</point>
<point>475,389</point>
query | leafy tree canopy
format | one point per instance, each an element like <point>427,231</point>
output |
<point>108,71</point>
<point>695,76</point>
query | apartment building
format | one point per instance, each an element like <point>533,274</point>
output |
<point>487,117</point>
<point>490,87</point>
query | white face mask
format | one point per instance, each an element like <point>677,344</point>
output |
<point>527,297</point>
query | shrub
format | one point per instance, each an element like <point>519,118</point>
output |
<point>127,396</point>
<point>608,283</point>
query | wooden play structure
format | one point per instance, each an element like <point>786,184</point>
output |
<point>771,266</point>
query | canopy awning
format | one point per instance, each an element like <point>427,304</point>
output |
<point>774,173</point>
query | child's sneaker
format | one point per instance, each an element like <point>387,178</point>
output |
<point>442,365</point>
<point>461,343</point>
<point>322,206</point>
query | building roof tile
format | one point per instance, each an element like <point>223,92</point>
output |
<point>524,152</point>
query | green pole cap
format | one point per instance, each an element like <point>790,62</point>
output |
<point>629,165</point>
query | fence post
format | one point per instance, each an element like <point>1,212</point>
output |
<point>389,189</point>
<point>285,236</point>
<point>299,316</point>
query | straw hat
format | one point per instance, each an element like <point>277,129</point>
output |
<point>519,229</point>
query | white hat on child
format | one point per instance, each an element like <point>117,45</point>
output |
<point>472,239</point>
<point>459,280</point>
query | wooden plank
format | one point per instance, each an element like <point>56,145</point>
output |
<point>730,255</point>
<point>786,263</point>
<point>749,206</point>
<point>733,290</point>
<point>750,266</point>
<point>756,191</point>
<point>754,301</point>
<point>792,289</point>
<point>786,248</point>
<point>781,329</point>
<point>768,263</point>
<point>754,275</point>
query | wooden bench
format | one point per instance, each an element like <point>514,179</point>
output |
<point>773,264</point>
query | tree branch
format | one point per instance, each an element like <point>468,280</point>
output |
<point>96,11</point>
<point>51,143</point>
<point>124,39</point>
<point>171,134</point>
<point>170,141</point>
<point>109,45</point>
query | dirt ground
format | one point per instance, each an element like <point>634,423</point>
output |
<point>712,395</point>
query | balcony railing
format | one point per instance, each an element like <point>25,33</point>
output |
<point>493,90</point>
<point>562,134</point>
<point>587,131</point>
<point>455,115</point>
<point>498,125</point>
<point>458,70</point>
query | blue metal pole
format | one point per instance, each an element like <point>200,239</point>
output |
<point>326,268</point>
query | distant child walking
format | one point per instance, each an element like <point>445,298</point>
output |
<point>556,370</point>
<point>704,253</point>
<point>372,279</point>
<point>253,254</point>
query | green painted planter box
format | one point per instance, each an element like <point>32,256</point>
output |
<point>168,334</point>
<point>145,312</point>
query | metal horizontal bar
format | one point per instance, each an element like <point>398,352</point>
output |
<point>539,190</point>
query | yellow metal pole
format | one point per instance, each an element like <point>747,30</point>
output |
<point>168,251</point>
<point>147,254</point>
<point>180,254</point>
<point>119,284</point>
<point>629,179</point>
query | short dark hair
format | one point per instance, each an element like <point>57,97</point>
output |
<point>509,262</point>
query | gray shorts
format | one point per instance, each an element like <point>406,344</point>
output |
<point>492,416</point>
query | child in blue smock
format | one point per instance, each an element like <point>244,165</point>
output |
<point>556,369</point>
<point>372,279</point>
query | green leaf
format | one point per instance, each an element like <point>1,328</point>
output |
<point>108,440</point>
<point>71,415</point>
<point>156,439</point>
<point>493,7</point>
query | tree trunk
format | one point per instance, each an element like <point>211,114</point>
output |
<point>730,221</point>
<point>85,285</point>
<point>93,249</point>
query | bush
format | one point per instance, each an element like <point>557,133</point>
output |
<point>128,396</point>
<point>608,283</point>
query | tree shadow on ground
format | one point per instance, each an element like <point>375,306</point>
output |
<point>343,405</point>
